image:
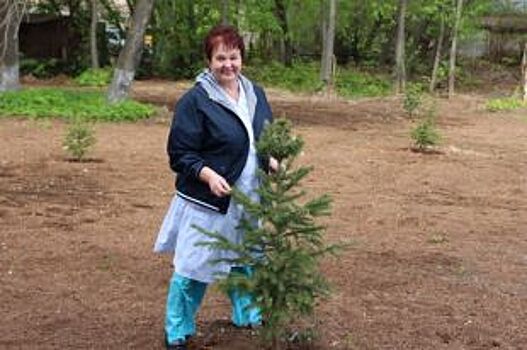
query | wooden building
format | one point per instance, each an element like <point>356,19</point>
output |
<point>44,36</point>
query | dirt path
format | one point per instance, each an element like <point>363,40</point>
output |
<point>439,259</point>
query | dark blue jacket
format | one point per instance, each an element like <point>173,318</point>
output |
<point>206,133</point>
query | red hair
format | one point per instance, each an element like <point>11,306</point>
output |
<point>226,35</point>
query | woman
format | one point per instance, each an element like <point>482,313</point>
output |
<point>211,147</point>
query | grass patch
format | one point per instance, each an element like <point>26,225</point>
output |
<point>438,239</point>
<point>505,104</point>
<point>301,77</point>
<point>305,77</point>
<point>70,104</point>
<point>95,77</point>
<point>351,83</point>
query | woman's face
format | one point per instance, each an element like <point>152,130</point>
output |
<point>225,64</point>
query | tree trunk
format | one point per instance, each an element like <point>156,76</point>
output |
<point>130,55</point>
<point>437,59</point>
<point>328,57</point>
<point>93,35</point>
<point>524,72</point>
<point>225,12</point>
<point>131,7</point>
<point>11,12</point>
<point>281,15</point>
<point>400,70</point>
<point>237,13</point>
<point>324,31</point>
<point>453,50</point>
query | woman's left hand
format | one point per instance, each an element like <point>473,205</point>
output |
<point>273,165</point>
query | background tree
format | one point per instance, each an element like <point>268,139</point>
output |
<point>453,49</point>
<point>131,6</point>
<point>93,34</point>
<point>178,28</point>
<point>225,11</point>
<point>438,52</point>
<point>11,13</point>
<point>328,61</point>
<point>114,15</point>
<point>524,72</point>
<point>259,17</point>
<point>131,53</point>
<point>400,70</point>
<point>275,30</point>
<point>286,47</point>
<point>363,32</point>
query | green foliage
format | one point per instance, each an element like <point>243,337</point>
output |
<point>79,138</point>
<point>354,83</point>
<point>278,142</point>
<point>41,69</point>
<point>304,77</point>
<point>364,31</point>
<point>364,35</point>
<point>301,77</point>
<point>285,247</point>
<point>504,104</point>
<point>260,16</point>
<point>425,134</point>
<point>70,104</point>
<point>95,77</point>
<point>178,28</point>
<point>413,95</point>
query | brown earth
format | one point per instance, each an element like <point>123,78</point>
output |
<point>439,254</point>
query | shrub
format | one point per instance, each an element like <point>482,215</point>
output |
<point>41,68</point>
<point>301,77</point>
<point>425,134</point>
<point>70,104</point>
<point>504,104</point>
<point>351,83</point>
<point>304,77</point>
<point>413,95</point>
<point>95,77</point>
<point>78,139</point>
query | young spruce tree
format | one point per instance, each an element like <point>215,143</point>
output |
<point>285,246</point>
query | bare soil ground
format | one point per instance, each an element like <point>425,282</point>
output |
<point>439,259</point>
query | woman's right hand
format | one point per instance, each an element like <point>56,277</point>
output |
<point>217,184</point>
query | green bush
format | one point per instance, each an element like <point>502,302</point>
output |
<point>70,104</point>
<point>413,95</point>
<point>425,134</point>
<point>351,83</point>
<point>301,77</point>
<point>504,104</point>
<point>305,77</point>
<point>95,77</point>
<point>78,139</point>
<point>41,69</point>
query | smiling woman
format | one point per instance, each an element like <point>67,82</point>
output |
<point>225,65</point>
<point>211,147</point>
<point>224,50</point>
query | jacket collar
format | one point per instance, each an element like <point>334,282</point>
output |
<point>216,93</point>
